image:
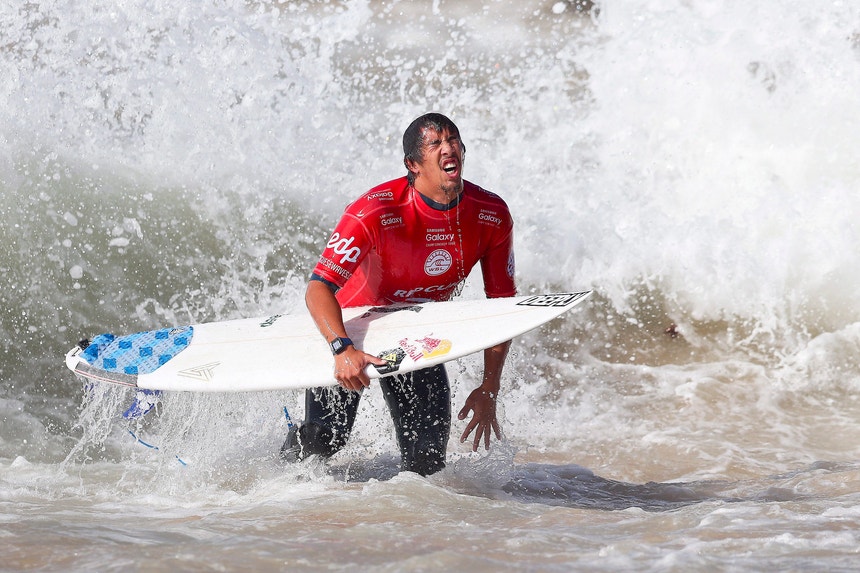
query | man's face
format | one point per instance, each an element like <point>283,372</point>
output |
<point>441,165</point>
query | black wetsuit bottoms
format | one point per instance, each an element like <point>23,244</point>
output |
<point>420,406</point>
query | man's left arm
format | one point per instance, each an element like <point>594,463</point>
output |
<point>497,267</point>
<point>482,401</point>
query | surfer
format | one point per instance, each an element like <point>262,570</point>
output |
<point>413,239</point>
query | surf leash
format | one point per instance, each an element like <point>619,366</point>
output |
<point>289,420</point>
<point>152,447</point>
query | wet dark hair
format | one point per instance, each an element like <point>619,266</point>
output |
<point>413,138</point>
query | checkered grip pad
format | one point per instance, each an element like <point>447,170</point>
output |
<point>139,353</point>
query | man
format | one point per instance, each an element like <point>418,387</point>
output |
<point>412,239</point>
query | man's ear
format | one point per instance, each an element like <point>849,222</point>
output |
<point>410,165</point>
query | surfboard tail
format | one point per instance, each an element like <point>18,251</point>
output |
<point>77,364</point>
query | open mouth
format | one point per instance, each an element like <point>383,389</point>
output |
<point>449,167</point>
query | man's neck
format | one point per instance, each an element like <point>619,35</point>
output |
<point>438,195</point>
<point>438,205</point>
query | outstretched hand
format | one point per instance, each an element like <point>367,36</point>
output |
<point>482,403</point>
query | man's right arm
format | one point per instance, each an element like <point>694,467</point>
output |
<point>349,365</point>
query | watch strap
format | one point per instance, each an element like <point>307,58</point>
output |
<point>339,344</point>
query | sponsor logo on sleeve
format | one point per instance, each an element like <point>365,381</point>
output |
<point>342,246</point>
<point>381,195</point>
<point>334,267</point>
<point>390,221</point>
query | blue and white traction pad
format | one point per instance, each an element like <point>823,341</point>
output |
<point>139,353</point>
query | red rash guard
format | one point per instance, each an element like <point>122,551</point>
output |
<point>392,246</point>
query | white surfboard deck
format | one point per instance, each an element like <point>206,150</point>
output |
<point>287,351</point>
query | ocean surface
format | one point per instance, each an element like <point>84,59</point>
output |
<point>692,161</point>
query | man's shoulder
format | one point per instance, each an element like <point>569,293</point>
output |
<point>383,196</point>
<point>481,195</point>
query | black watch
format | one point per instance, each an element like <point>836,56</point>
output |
<point>338,345</point>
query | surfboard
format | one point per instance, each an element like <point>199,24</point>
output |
<point>287,351</point>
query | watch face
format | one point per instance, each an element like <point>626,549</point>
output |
<point>338,344</point>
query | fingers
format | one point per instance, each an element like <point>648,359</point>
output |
<point>482,424</point>
<point>463,413</point>
<point>350,369</point>
<point>486,431</point>
<point>468,406</point>
<point>469,427</point>
<point>376,360</point>
<point>355,382</point>
<point>483,431</point>
<point>346,378</point>
<point>352,385</point>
